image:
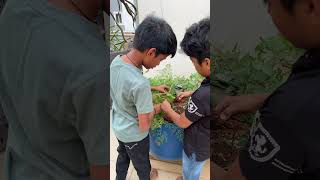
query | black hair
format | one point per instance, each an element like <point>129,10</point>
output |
<point>196,41</point>
<point>156,33</point>
<point>288,4</point>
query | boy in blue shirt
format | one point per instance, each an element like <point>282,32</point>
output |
<point>132,106</point>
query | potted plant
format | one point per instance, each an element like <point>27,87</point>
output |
<point>243,73</point>
<point>166,139</point>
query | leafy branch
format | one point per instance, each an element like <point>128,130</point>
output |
<point>243,73</point>
<point>133,12</point>
<point>176,84</point>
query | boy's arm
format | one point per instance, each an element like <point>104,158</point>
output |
<point>142,98</point>
<point>145,120</point>
<point>184,95</point>
<point>180,120</point>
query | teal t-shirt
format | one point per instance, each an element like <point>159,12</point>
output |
<point>131,95</point>
<point>53,79</point>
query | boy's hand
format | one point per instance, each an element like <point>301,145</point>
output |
<point>157,109</point>
<point>161,88</point>
<point>165,106</point>
<point>232,105</point>
<point>184,95</point>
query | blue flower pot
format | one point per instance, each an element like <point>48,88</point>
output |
<point>166,142</point>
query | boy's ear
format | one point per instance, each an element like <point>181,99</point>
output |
<point>152,52</point>
<point>207,61</point>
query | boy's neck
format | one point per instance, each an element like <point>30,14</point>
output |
<point>134,57</point>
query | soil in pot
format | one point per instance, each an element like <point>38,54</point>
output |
<point>227,137</point>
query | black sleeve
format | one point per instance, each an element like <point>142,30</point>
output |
<point>273,151</point>
<point>198,106</point>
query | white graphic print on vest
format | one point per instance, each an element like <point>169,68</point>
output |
<point>263,147</point>
<point>192,106</point>
<point>285,167</point>
<point>136,144</point>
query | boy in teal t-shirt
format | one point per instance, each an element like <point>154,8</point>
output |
<point>132,106</point>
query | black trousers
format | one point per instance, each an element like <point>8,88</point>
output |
<point>138,153</point>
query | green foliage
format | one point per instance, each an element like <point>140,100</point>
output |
<point>160,97</point>
<point>161,138</point>
<point>117,40</point>
<point>259,72</point>
<point>166,77</point>
<point>176,84</point>
<point>177,132</point>
<point>262,71</point>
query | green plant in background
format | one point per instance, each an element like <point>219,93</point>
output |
<point>117,40</point>
<point>262,71</point>
<point>176,84</point>
<point>259,72</point>
<point>117,37</point>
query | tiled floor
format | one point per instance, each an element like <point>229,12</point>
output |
<point>167,171</point>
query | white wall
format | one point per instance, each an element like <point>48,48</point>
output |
<point>180,14</point>
<point>126,18</point>
<point>242,22</point>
